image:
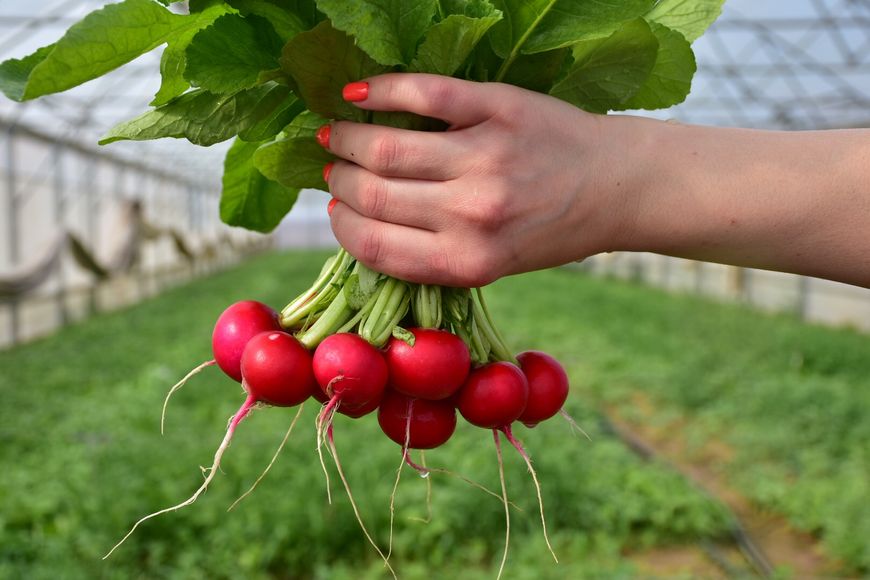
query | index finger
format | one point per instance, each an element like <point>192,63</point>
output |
<point>458,102</point>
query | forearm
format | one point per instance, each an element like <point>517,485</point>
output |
<point>790,201</point>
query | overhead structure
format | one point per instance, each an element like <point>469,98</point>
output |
<point>794,65</point>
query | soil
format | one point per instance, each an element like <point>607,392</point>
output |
<point>784,548</point>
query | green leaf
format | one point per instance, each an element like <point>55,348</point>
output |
<point>449,43</point>
<point>101,42</point>
<point>173,60</point>
<point>607,72</point>
<point>532,26</point>
<point>387,30</point>
<point>274,121</point>
<point>670,80</point>
<point>228,56</point>
<point>321,61</point>
<point>688,17</point>
<point>296,162</point>
<point>361,286</point>
<point>202,117</point>
<point>286,23</point>
<point>305,124</point>
<point>248,199</point>
<point>571,21</point>
<point>538,72</point>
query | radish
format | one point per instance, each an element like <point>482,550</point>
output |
<point>349,370</point>
<point>548,386</point>
<point>358,411</point>
<point>232,331</point>
<point>277,370</point>
<point>494,395</point>
<point>433,368</point>
<point>416,423</point>
<point>234,328</point>
<point>353,374</point>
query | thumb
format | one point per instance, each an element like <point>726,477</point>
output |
<point>458,102</point>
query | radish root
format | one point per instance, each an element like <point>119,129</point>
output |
<point>323,422</point>
<point>425,471</point>
<point>507,512</point>
<point>180,384</point>
<point>519,447</point>
<point>573,423</point>
<point>274,458</point>
<point>428,517</point>
<point>398,476</point>
<point>368,536</point>
<point>237,418</point>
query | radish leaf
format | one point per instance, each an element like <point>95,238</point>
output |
<point>449,43</point>
<point>670,80</point>
<point>607,72</point>
<point>249,199</point>
<point>688,17</point>
<point>229,55</point>
<point>101,42</point>
<point>321,61</point>
<point>202,117</point>
<point>387,30</point>
<point>294,162</point>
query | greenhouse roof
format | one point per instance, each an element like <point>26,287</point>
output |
<point>797,65</point>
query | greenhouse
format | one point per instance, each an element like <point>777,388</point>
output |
<point>710,412</point>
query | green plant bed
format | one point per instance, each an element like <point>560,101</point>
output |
<point>789,400</point>
<point>82,458</point>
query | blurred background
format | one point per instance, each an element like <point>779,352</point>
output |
<point>728,408</point>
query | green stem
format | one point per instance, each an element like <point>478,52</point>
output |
<point>334,317</point>
<point>322,292</point>
<point>391,306</point>
<point>515,51</point>
<point>497,343</point>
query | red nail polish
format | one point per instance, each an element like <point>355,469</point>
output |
<point>331,205</point>
<point>355,92</point>
<point>322,136</point>
<point>327,169</point>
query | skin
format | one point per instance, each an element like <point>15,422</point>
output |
<point>523,181</point>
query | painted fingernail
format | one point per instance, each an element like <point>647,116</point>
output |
<point>355,92</point>
<point>331,205</point>
<point>327,169</point>
<point>322,136</point>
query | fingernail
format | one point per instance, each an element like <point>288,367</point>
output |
<point>327,169</point>
<point>331,205</point>
<point>322,136</point>
<point>355,92</point>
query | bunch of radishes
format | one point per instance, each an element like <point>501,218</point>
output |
<point>360,342</point>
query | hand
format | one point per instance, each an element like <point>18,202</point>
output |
<point>512,186</point>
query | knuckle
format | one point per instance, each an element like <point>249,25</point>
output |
<point>488,213</point>
<point>373,198</point>
<point>440,96</point>
<point>373,247</point>
<point>385,154</point>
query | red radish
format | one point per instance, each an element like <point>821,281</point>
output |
<point>277,369</point>
<point>434,368</point>
<point>548,386</point>
<point>420,423</point>
<point>358,411</point>
<point>234,328</point>
<point>494,395</point>
<point>350,370</point>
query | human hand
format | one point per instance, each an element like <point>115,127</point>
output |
<point>514,185</point>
